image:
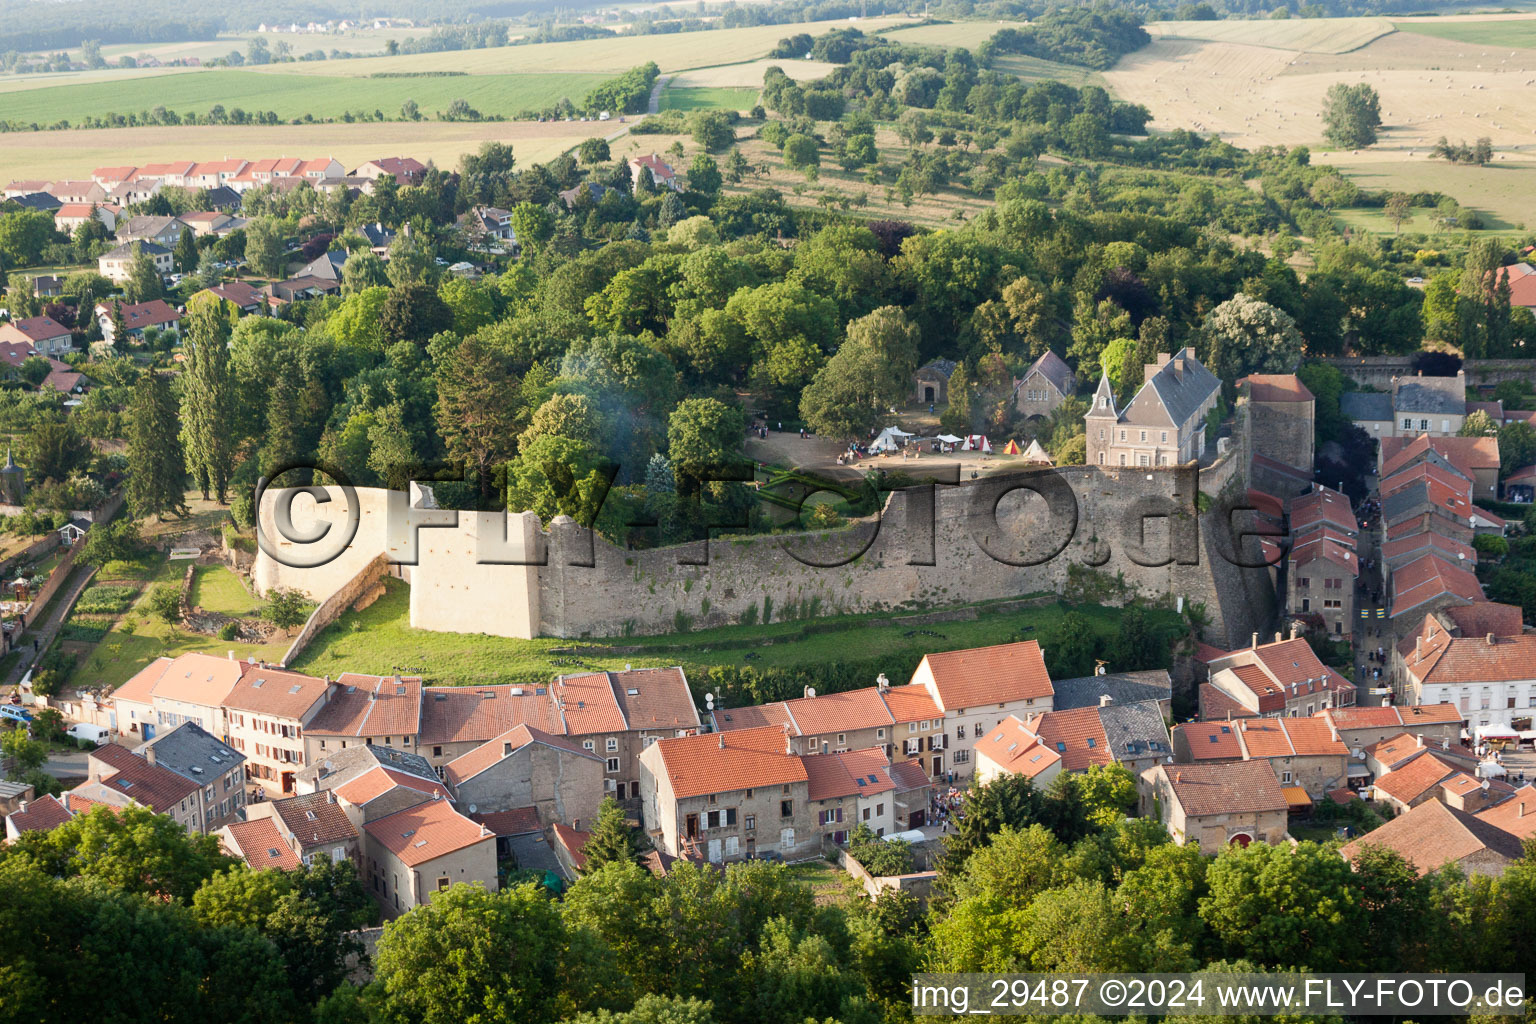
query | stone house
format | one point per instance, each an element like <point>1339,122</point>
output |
<point>267,711</point>
<point>616,715</point>
<point>1362,727</point>
<point>821,724</point>
<point>1283,678</point>
<point>307,825</point>
<point>1474,458</point>
<point>1429,405</point>
<point>1047,383</point>
<point>1216,805</point>
<point>975,690</point>
<point>1134,735</point>
<point>457,719</point>
<point>1163,425</point>
<point>169,691</point>
<point>424,849</point>
<point>118,777</point>
<point>364,710</point>
<point>526,767</point>
<point>1432,835</point>
<point>850,787</point>
<point>729,796</point>
<point>932,381</point>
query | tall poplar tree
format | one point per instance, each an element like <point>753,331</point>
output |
<point>208,395</point>
<point>157,465</point>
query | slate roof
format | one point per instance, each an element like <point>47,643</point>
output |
<point>1430,396</point>
<point>341,766</point>
<point>1432,834</point>
<point>193,753</point>
<point>1366,406</point>
<point>1054,369</point>
<point>1181,393</point>
<point>943,367</point>
<point>1135,730</point>
<point>1122,688</point>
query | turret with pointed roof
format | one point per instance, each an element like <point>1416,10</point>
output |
<point>13,481</point>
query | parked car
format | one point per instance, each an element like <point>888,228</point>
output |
<point>15,714</point>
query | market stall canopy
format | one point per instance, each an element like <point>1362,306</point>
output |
<point>950,439</point>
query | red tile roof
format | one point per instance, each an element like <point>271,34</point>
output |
<point>495,750</point>
<point>909,775</point>
<point>574,842</point>
<point>1323,505</point>
<point>1432,834</point>
<point>1428,578</point>
<point>314,819</point>
<point>1522,283</point>
<point>41,815</point>
<point>1516,815</point>
<point>1412,779</point>
<point>988,675</point>
<point>1465,453</point>
<point>1211,741</point>
<point>516,822</point>
<point>911,704</point>
<point>1324,548</point>
<point>729,761</point>
<point>656,698</point>
<point>427,831</point>
<point>1226,788</point>
<point>839,712</point>
<point>1266,503</point>
<point>1472,659</point>
<point>1395,749</point>
<point>755,717</point>
<point>261,845</point>
<point>1276,387</point>
<point>40,328</point>
<point>455,714</point>
<point>1483,617</point>
<point>159,789</point>
<point>375,782</point>
<point>1264,737</point>
<point>1017,750</point>
<point>155,313</point>
<point>588,705</point>
<point>1077,735</point>
<point>370,706</point>
<point>1428,541</point>
<point>238,292</point>
<point>278,693</point>
<point>849,773</point>
<point>1445,477</point>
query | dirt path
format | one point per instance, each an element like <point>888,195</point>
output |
<point>42,634</point>
<point>654,106</point>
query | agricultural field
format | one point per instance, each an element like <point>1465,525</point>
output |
<point>969,34</point>
<point>748,74</point>
<point>73,153</point>
<point>1316,35</point>
<point>1476,30</point>
<point>675,98</point>
<point>294,95</point>
<point>677,52</point>
<point>1500,191</point>
<point>1036,69</point>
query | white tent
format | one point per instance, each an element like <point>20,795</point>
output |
<point>1034,453</point>
<point>1491,770</point>
<point>1496,732</point>
<point>978,443</point>
<point>950,439</point>
<point>889,440</point>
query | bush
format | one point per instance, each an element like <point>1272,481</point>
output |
<point>229,630</point>
<point>287,608</point>
<point>1490,546</point>
<point>881,856</point>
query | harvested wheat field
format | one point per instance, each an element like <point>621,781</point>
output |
<point>1317,35</point>
<point>749,74</point>
<point>73,153</point>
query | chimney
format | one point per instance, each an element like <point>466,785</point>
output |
<point>149,753</point>
<point>1105,700</point>
<point>1418,646</point>
<point>1418,741</point>
<point>231,655</point>
<point>1519,809</point>
<point>22,807</point>
<point>881,682</point>
<point>1255,641</point>
<point>1295,630</point>
<point>1279,637</point>
<point>1490,639</point>
<point>722,741</point>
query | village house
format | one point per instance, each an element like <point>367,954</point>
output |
<point>457,719</point>
<point>1515,814</point>
<point>1323,563</point>
<point>68,217</point>
<point>48,286</point>
<point>1361,727</point>
<point>862,787</point>
<point>164,231</point>
<point>404,169</point>
<point>267,711</point>
<point>42,334</point>
<point>821,724</point>
<point>1490,679</point>
<point>216,768</point>
<point>1474,458</point>
<point>339,767</point>
<point>310,825</point>
<point>729,796</point>
<point>117,264</point>
<point>41,815</point>
<point>169,691</point>
<point>1047,383</point>
<point>363,710</point>
<point>526,767</point>
<point>1284,678</point>
<point>618,714</point>
<point>1304,753</point>
<point>118,777</point>
<point>1432,835</point>
<point>1133,735</point>
<point>483,222</point>
<point>1163,425</point>
<point>1216,805</point>
<point>661,174</point>
<point>111,177</point>
<point>424,849</point>
<point>259,843</point>
<point>87,192</point>
<point>246,298</point>
<point>212,223</point>
<point>137,318</point>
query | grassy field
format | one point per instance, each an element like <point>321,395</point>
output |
<point>215,588</point>
<point>291,95</point>
<point>673,98</point>
<point>1320,35</point>
<point>1501,33</point>
<point>380,638</point>
<point>1035,69</point>
<point>1422,222</point>
<point>969,34</point>
<point>607,56</point>
<point>71,154</point>
<point>748,74</point>
<point>1501,192</point>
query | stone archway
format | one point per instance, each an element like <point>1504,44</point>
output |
<point>1242,839</point>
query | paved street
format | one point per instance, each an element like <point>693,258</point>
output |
<point>1371,628</point>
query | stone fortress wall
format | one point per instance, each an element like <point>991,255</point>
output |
<point>998,537</point>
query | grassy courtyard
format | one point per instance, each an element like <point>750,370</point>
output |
<point>217,589</point>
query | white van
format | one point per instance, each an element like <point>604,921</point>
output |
<point>95,733</point>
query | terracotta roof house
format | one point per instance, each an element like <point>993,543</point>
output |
<point>268,710</point>
<point>338,768</point>
<point>40,815</point>
<point>1486,677</point>
<point>1280,678</point>
<point>404,169</point>
<point>1432,835</point>
<point>856,787</point>
<point>1014,749</point>
<point>661,173</point>
<point>728,796</point>
<point>135,779</point>
<point>247,298</point>
<point>1476,458</point>
<point>1163,425</point>
<point>456,719</point>
<point>1522,284</point>
<point>1047,383</point>
<point>259,844</point>
<point>413,853</point>
<point>43,334</point>
<point>1430,583</point>
<point>316,823</point>
<point>189,687</point>
<point>361,709</point>
<point>1216,805</point>
<point>137,317</point>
